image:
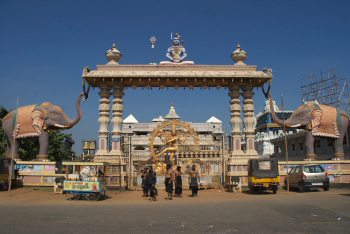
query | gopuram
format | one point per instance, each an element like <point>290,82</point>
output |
<point>112,78</point>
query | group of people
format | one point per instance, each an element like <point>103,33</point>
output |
<point>149,180</point>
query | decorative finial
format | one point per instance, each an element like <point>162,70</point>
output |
<point>113,55</point>
<point>239,56</point>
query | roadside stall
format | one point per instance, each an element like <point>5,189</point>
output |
<point>85,179</point>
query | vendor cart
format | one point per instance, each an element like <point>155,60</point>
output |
<point>87,180</point>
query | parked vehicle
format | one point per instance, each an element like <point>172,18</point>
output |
<point>308,176</point>
<point>263,174</point>
<point>4,173</point>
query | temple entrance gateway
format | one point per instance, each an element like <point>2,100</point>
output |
<point>113,78</point>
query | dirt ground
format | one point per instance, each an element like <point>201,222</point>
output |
<point>45,195</point>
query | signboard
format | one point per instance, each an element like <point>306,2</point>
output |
<point>235,179</point>
<point>49,179</point>
<point>38,168</point>
<point>288,168</point>
<point>116,139</point>
<point>83,186</point>
<point>329,166</point>
<point>265,166</point>
<point>29,168</point>
<point>49,168</point>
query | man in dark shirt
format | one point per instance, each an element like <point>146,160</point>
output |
<point>152,181</point>
<point>144,182</point>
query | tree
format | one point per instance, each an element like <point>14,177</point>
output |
<point>29,147</point>
<point>3,141</point>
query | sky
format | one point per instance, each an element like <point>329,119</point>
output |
<point>46,44</point>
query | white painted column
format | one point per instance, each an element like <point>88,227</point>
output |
<point>249,119</point>
<point>104,120</point>
<point>117,120</point>
<point>236,121</point>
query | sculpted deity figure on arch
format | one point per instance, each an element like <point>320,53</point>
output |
<point>176,53</point>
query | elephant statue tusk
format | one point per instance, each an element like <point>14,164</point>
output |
<point>295,126</point>
<point>61,126</point>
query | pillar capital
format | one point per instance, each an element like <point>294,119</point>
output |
<point>233,87</point>
<point>248,94</point>
<point>247,87</point>
<point>118,87</point>
<point>234,94</point>
<point>118,94</point>
<point>105,91</point>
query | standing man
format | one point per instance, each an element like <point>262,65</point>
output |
<point>152,181</point>
<point>194,179</point>
<point>169,181</point>
<point>178,182</point>
<point>144,182</point>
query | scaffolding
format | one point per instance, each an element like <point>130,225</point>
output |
<point>327,89</point>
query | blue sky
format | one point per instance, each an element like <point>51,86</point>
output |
<point>46,44</point>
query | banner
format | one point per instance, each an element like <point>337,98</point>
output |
<point>83,186</point>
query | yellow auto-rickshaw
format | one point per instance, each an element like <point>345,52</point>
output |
<point>263,174</point>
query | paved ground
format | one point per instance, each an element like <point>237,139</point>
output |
<point>214,211</point>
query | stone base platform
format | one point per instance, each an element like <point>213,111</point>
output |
<point>176,64</point>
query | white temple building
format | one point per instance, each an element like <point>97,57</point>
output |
<point>266,130</point>
<point>136,138</point>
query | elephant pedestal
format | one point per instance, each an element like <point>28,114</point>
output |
<point>339,156</point>
<point>15,156</point>
<point>311,157</point>
<point>41,157</point>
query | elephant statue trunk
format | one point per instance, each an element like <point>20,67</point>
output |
<point>317,121</point>
<point>37,121</point>
<point>79,112</point>
<point>279,121</point>
<point>72,122</point>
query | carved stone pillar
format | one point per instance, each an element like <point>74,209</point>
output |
<point>104,120</point>
<point>236,121</point>
<point>117,120</point>
<point>249,119</point>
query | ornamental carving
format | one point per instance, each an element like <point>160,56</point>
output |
<point>97,73</point>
